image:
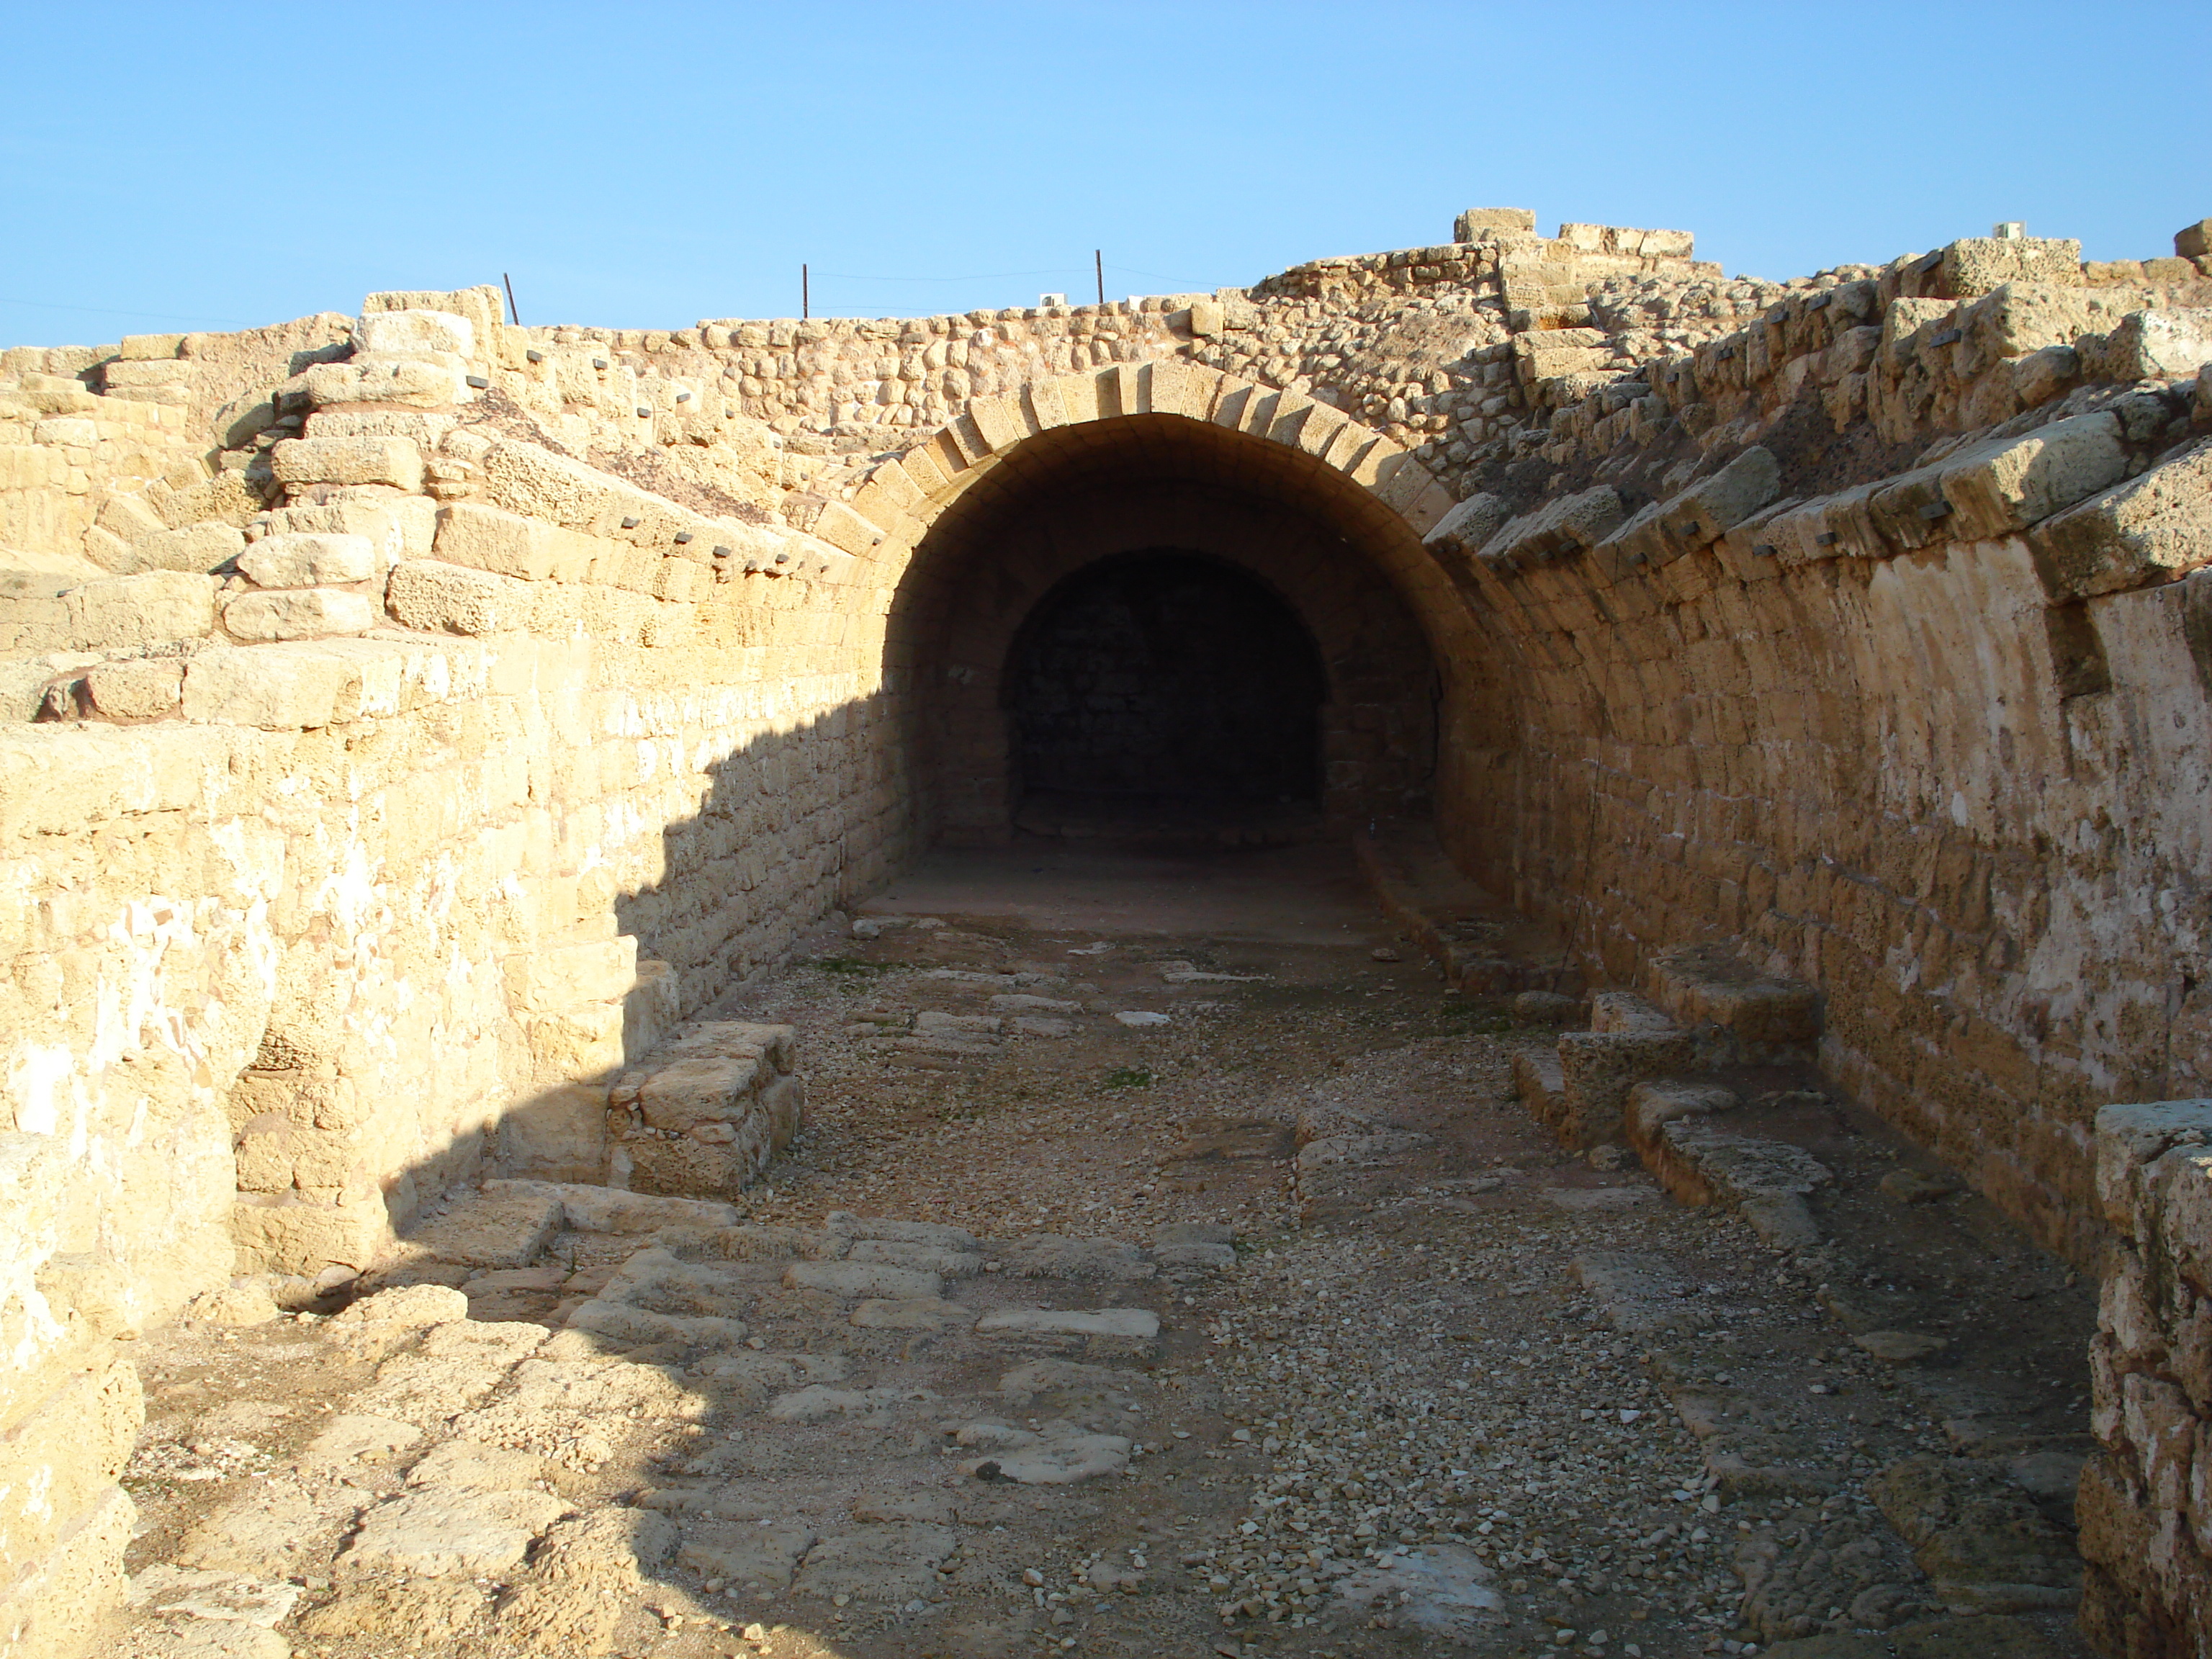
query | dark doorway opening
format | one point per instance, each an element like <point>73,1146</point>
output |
<point>1166,693</point>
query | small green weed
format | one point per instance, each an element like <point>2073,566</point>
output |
<point>852,965</point>
<point>1127,1077</point>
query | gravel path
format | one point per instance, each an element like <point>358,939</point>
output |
<point>1384,1370</point>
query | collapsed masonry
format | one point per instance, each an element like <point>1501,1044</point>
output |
<point>414,716</point>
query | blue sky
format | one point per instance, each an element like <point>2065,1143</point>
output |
<point>183,165</point>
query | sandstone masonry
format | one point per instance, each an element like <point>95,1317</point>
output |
<point>413,717</point>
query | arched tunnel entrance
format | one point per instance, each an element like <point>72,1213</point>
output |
<point>1167,691</point>
<point>1150,624</point>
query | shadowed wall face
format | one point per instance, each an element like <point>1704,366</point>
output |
<point>1166,678</point>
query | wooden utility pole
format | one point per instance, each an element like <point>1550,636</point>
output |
<point>1098,264</point>
<point>514,315</point>
<point>805,297</point>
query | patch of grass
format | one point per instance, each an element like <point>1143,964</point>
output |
<point>850,965</point>
<point>1127,1077</point>
<point>1475,1018</point>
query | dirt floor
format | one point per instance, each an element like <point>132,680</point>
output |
<point>1168,1266</point>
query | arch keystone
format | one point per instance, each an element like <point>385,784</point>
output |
<point>1124,386</point>
<point>1177,388</point>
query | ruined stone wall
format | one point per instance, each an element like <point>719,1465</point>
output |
<point>2145,1504</point>
<point>1914,712</point>
<point>411,715</point>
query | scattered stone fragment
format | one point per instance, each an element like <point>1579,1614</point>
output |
<point>1443,1590</point>
<point>473,1533</point>
<point>1900,1347</point>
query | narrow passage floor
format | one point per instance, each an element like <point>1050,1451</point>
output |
<point>1167,1267</point>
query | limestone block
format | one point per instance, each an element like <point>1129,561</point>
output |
<point>560,977</point>
<point>275,1156</point>
<point>34,613</point>
<point>399,526</point>
<point>198,547</point>
<point>505,1229</point>
<point>307,559</point>
<point>704,1090</point>
<point>149,609</point>
<point>129,518</point>
<point>842,527</point>
<point>556,1133</point>
<point>1732,494</point>
<point>283,1234</point>
<point>485,538</point>
<point>1624,1010</point>
<point>303,613</point>
<point>1466,527</point>
<point>414,331</point>
<point>1653,1104</point>
<point>1997,490</point>
<point>1550,354</point>
<point>594,1209</point>
<point>1977,264</point>
<point>140,689</point>
<point>407,382</point>
<point>444,1533</point>
<point>683,1164</point>
<point>148,348</point>
<point>51,1607</point>
<point>1597,1070</point>
<point>277,688</point>
<point>2131,1140</point>
<point>127,377</point>
<point>2149,529</point>
<point>438,598</point>
<point>59,1463</point>
<point>1708,985</point>
<point>394,461</point>
<point>2164,345</point>
<point>579,1044</point>
<point>1571,524</point>
<point>1470,225</point>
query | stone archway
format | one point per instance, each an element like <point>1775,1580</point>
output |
<point>962,535</point>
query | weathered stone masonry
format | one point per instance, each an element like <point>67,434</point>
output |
<point>416,716</point>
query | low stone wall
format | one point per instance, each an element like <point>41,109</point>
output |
<point>2145,1505</point>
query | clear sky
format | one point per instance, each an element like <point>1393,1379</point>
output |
<point>176,166</point>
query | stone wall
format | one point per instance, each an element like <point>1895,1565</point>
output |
<point>2146,1498</point>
